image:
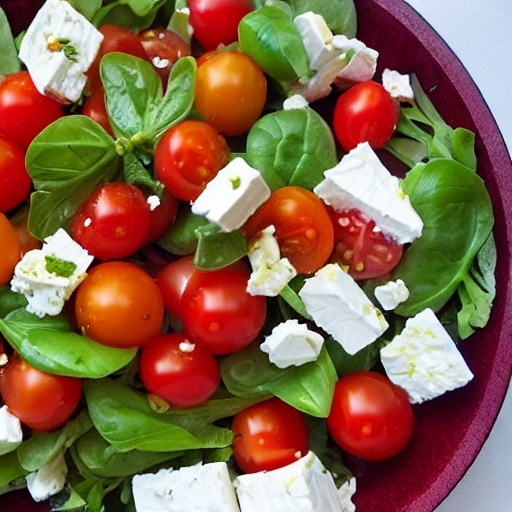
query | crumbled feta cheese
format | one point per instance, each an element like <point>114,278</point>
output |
<point>48,276</point>
<point>270,273</point>
<point>304,485</point>
<point>205,488</point>
<point>398,85</point>
<point>58,48</point>
<point>153,202</point>
<point>345,493</point>
<point>292,344</point>
<point>187,347</point>
<point>424,360</point>
<point>391,294</point>
<point>361,181</point>
<point>296,101</point>
<point>49,479</point>
<point>232,196</point>
<point>338,305</point>
<point>11,434</point>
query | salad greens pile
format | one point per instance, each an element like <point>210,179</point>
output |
<point>118,433</point>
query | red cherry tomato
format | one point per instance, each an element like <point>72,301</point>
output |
<point>268,436</point>
<point>303,229</point>
<point>15,182</point>
<point>10,250</point>
<point>162,217</point>
<point>24,111</point>
<point>118,304</point>
<point>40,400</point>
<point>370,416</point>
<point>94,107</point>
<point>365,252</point>
<point>183,374</point>
<point>113,222</point>
<point>216,21</point>
<point>230,92</point>
<point>365,113</point>
<point>26,241</point>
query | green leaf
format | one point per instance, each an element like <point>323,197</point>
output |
<point>291,147</point>
<point>9,62</point>
<point>364,359</point>
<point>86,7</point>
<point>117,13</point>
<point>144,7</point>
<point>10,472</point>
<point>10,301</point>
<point>49,345</point>
<point>136,174</point>
<point>66,161</point>
<point>291,297</point>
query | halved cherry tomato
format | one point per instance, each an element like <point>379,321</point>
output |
<point>268,436</point>
<point>303,229</point>
<point>370,416</point>
<point>10,250</point>
<point>360,247</point>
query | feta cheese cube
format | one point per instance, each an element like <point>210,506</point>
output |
<point>361,181</point>
<point>205,488</point>
<point>338,305</point>
<point>232,196</point>
<point>48,276</point>
<point>49,479</point>
<point>292,344</point>
<point>270,273</point>
<point>11,434</point>
<point>391,294</point>
<point>59,46</point>
<point>345,493</point>
<point>398,85</point>
<point>424,360</point>
<point>304,485</point>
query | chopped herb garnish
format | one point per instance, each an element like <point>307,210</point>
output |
<point>62,44</point>
<point>235,182</point>
<point>60,267</point>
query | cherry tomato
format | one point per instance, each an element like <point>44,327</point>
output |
<point>360,248</point>
<point>219,314</point>
<point>162,217</point>
<point>183,374</point>
<point>216,21</point>
<point>40,400</point>
<point>10,250</point>
<point>118,304</point>
<point>113,222</point>
<point>365,113</point>
<point>94,107</point>
<point>268,436</point>
<point>188,156</point>
<point>24,111</point>
<point>26,241</point>
<point>163,47</point>
<point>230,92</point>
<point>303,229</point>
<point>370,416</point>
<point>14,179</point>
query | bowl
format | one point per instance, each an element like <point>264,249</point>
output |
<point>450,430</point>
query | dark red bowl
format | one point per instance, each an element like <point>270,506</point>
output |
<point>450,430</point>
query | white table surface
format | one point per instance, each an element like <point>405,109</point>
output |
<point>480,34</point>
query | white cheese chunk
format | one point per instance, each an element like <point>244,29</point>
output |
<point>49,479</point>
<point>296,101</point>
<point>59,46</point>
<point>345,493</point>
<point>292,344</point>
<point>398,85</point>
<point>339,306</point>
<point>391,294</point>
<point>424,360</point>
<point>304,485</point>
<point>232,196</point>
<point>361,181</point>
<point>201,488</point>
<point>270,273</point>
<point>11,434</point>
<point>46,291</point>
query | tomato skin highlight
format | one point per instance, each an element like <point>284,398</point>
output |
<point>370,416</point>
<point>183,374</point>
<point>365,113</point>
<point>42,401</point>
<point>94,107</point>
<point>269,435</point>
<point>119,305</point>
<point>11,252</point>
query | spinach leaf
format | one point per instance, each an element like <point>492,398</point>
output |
<point>364,359</point>
<point>9,62</point>
<point>49,345</point>
<point>291,147</point>
<point>269,36</point>
<point>66,161</point>
<point>457,214</point>
<point>11,473</point>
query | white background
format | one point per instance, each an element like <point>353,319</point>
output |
<point>480,34</point>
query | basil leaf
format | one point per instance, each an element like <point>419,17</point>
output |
<point>10,301</point>
<point>86,7</point>
<point>10,472</point>
<point>118,13</point>
<point>9,62</point>
<point>457,213</point>
<point>291,147</point>
<point>136,174</point>
<point>145,7</point>
<point>66,161</point>
<point>48,345</point>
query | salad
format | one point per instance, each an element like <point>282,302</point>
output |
<point>281,316</point>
